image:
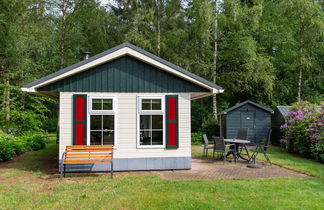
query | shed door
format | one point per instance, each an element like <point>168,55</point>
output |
<point>248,121</point>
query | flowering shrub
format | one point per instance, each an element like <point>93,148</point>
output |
<point>304,130</point>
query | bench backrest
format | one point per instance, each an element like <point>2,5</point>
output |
<point>80,154</point>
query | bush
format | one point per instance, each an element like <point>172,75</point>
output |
<point>304,131</point>
<point>33,141</point>
<point>11,145</point>
<point>196,138</point>
<point>7,150</point>
<point>210,127</point>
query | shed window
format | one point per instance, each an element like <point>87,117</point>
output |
<point>151,122</point>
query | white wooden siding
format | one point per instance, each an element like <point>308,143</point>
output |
<point>126,126</point>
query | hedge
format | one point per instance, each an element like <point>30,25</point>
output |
<point>10,145</point>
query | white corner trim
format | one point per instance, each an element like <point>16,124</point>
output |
<point>114,55</point>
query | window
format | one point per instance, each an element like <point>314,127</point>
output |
<point>151,122</point>
<point>101,104</point>
<point>102,121</point>
<point>101,129</point>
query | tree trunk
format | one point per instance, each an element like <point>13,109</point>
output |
<point>215,59</point>
<point>6,99</point>
<point>299,84</point>
<point>301,63</point>
<point>63,8</point>
<point>158,28</point>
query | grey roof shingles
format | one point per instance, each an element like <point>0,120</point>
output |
<point>284,110</point>
<point>126,44</point>
<point>246,102</point>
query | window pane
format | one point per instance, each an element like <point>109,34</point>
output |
<point>146,104</point>
<point>107,104</point>
<point>145,138</point>
<point>108,137</point>
<point>96,104</point>
<point>145,121</point>
<point>156,104</point>
<point>157,121</point>
<point>95,137</point>
<point>157,137</point>
<point>108,122</point>
<point>95,122</point>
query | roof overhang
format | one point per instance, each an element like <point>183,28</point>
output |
<point>246,102</point>
<point>117,52</point>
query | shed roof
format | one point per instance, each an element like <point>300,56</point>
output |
<point>115,52</point>
<point>283,110</point>
<point>246,102</point>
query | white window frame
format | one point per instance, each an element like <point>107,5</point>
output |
<point>114,103</point>
<point>150,112</point>
<point>102,112</point>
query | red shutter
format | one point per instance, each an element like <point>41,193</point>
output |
<point>80,119</point>
<point>172,122</point>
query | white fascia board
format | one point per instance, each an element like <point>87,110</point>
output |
<point>29,90</point>
<point>216,91</point>
<point>114,55</point>
<point>153,62</point>
<point>84,67</point>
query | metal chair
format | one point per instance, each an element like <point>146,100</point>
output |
<point>220,146</point>
<point>261,148</point>
<point>206,146</point>
<point>243,133</point>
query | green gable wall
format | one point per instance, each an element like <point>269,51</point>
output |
<point>125,74</point>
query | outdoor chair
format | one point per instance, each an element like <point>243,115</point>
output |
<point>206,145</point>
<point>242,133</point>
<point>261,148</point>
<point>221,147</point>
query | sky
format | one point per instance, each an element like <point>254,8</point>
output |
<point>105,1</point>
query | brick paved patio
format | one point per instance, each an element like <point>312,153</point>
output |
<point>211,169</point>
<point>215,169</point>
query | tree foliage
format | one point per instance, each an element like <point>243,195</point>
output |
<point>270,52</point>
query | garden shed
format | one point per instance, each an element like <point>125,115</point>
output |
<point>278,119</point>
<point>246,115</point>
<point>131,99</point>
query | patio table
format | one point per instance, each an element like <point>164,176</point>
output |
<point>237,142</point>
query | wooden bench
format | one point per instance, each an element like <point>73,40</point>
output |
<point>87,154</point>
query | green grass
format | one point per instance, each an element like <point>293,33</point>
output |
<point>23,185</point>
<point>295,162</point>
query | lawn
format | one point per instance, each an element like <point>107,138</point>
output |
<point>25,185</point>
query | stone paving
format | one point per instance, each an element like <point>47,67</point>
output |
<point>209,168</point>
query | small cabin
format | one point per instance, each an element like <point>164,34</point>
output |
<point>278,119</point>
<point>246,115</point>
<point>129,98</point>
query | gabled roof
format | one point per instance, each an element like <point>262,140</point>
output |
<point>116,52</point>
<point>284,110</point>
<point>246,102</point>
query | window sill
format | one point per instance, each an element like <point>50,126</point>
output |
<point>151,147</point>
